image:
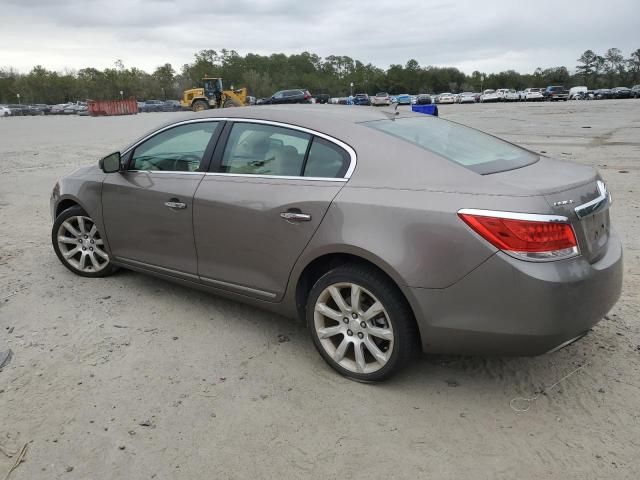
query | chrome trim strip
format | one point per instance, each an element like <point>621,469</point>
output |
<point>165,172</point>
<point>596,204</point>
<point>190,276</point>
<point>350,151</point>
<point>532,217</point>
<point>240,288</point>
<point>151,267</point>
<point>276,177</point>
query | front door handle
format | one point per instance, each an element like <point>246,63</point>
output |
<point>174,203</point>
<point>296,217</point>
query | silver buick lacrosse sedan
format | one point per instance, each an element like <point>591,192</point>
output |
<point>385,232</point>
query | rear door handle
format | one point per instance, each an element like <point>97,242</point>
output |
<point>173,203</point>
<point>296,217</point>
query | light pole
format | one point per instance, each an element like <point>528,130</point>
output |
<point>351,85</point>
<point>18,95</point>
<point>482,78</point>
<point>121,94</point>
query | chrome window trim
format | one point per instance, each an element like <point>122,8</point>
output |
<point>276,177</point>
<point>596,204</point>
<point>335,141</point>
<point>532,217</point>
<point>165,172</point>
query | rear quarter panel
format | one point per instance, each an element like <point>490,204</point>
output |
<point>416,237</point>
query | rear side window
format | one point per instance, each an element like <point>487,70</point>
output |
<point>465,146</point>
<point>326,160</point>
<point>257,149</point>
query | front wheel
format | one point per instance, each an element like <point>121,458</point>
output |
<point>79,245</point>
<point>230,103</point>
<point>360,323</point>
<point>199,105</point>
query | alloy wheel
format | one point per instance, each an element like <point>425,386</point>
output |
<point>81,246</point>
<point>353,328</point>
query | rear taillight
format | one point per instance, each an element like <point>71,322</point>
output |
<point>525,236</point>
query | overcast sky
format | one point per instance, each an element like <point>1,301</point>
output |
<point>488,35</point>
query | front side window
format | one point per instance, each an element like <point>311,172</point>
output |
<point>258,149</point>
<point>179,149</point>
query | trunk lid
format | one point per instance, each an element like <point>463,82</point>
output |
<point>572,190</point>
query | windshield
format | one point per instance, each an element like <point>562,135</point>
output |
<point>465,146</point>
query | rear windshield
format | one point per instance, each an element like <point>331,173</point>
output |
<point>465,146</point>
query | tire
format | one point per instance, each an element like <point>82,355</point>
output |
<point>90,259</point>
<point>382,354</point>
<point>230,103</point>
<point>199,105</point>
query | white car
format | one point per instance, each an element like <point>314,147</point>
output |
<point>533,95</point>
<point>5,111</point>
<point>381,98</point>
<point>489,95</point>
<point>577,92</point>
<point>446,98</point>
<point>511,96</point>
<point>467,97</point>
<point>502,92</point>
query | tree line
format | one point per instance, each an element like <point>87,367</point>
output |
<point>265,74</point>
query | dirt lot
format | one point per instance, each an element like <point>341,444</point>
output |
<point>132,377</point>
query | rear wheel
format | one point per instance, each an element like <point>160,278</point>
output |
<point>360,323</point>
<point>199,105</point>
<point>230,103</point>
<point>79,245</point>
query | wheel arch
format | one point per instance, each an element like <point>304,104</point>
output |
<point>316,266</point>
<point>64,203</point>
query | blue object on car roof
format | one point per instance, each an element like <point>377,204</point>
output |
<point>426,109</point>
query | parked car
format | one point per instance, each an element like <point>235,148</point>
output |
<point>555,93</point>
<point>446,98</point>
<point>403,99</point>
<point>172,106</point>
<point>501,93</point>
<point>603,94</point>
<point>467,97</point>
<point>289,96</point>
<point>533,95</point>
<point>576,93</point>
<point>5,111</point>
<point>322,98</point>
<point>57,109</point>
<point>448,261</point>
<point>381,98</point>
<point>635,91</point>
<point>42,108</point>
<point>424,99</point>
<point>152,106</point>
<point>489,95</point>
<point>621,92</point>
<point>361,99</point>
<point>511,96</point>
<point>17,110</point>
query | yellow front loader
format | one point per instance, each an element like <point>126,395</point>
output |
<point>213,96</point>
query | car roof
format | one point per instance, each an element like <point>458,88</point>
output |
<point>333,120</point>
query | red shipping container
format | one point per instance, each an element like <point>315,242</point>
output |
<point>97,108</point>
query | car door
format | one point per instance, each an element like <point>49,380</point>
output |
<point>148,207</point>
<point>256,211</point>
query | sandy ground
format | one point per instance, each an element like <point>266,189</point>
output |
<point>132,377</point>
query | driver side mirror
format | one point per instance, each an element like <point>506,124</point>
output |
<point>110,163</point>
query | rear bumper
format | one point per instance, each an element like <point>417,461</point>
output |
<point>512,307</point>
